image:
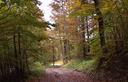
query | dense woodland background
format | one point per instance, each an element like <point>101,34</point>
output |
<point>88,35</point>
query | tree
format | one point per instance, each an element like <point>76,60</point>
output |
<point>19,21</point>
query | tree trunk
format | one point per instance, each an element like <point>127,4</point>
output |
<point>88,35</point>
<point>16,55</point>
<point>65,51</point>
<point>53,56</point>
<point>20,57</point>
<point>101,25</point>
<point>83,38</point>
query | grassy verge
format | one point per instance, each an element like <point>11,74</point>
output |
<point>37,69</point>
<point>81,65</point>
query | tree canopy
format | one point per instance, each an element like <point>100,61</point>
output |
<point>88,35</point>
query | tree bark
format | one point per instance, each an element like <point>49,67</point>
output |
<point>15,54</point>
<point>101,25</point>
<point>83,37</point>
<point>88,35</point>
<point>53,56</point>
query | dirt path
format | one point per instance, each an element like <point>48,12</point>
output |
<point>67,75</point>
<point>64,75</point>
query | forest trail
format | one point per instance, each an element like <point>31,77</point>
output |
<point>64,75</point>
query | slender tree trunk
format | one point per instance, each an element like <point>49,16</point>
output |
<point>101,25</point>
<point>88,35</point>
<point>65,51</point>
<point>53,56</point>
<point>101,32</point>
<point>83,38</point>
<point>16,55</point>
<point>20,55</point>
